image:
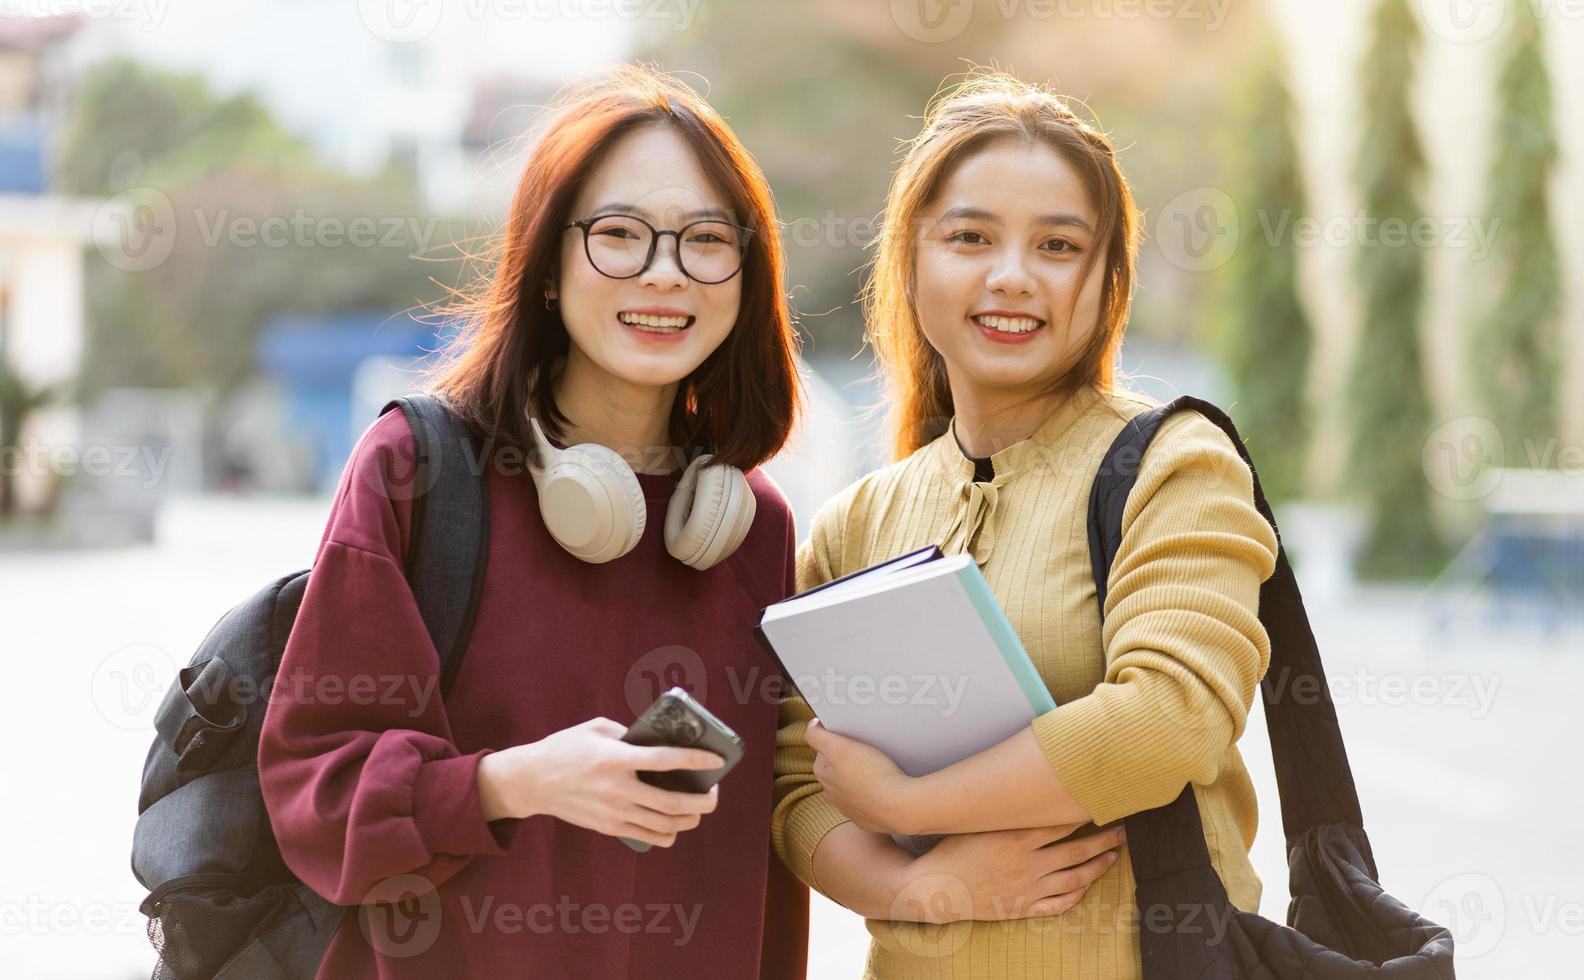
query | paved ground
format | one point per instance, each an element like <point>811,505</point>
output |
<point>1464,741</point>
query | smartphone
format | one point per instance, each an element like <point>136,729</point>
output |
<point>677,719</point>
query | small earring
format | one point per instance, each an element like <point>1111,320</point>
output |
<point>550,301</point>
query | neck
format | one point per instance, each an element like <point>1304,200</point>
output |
<point>989,420</point>
<point>601,408</point>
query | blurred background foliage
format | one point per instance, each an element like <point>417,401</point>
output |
<point>825,97</point>
<point>193,319</point>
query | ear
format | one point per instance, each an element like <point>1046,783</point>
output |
<point>550,289</point>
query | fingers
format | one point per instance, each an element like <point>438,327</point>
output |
<point>644,834</point>
<point>1052,834</point>
<point>1077,878</point>
<point>1054,905</point>
<point>822,739</point>
<point>675,803</point>
<point>1079,849</point>
<point>821,767</point>
<point>604,726</point>
<point>1066,888</point>
<point>661,758</point>
<point>661,823</point>
<point>669,813</point>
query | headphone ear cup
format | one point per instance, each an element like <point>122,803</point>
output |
<point>710,513</point>
<point>592,503</point>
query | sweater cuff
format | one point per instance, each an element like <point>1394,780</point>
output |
<point>807,822</point>
<point>1075,744</point>
<point>449,811</point>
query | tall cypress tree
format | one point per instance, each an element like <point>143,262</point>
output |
<point>1262,333</point>
<point>1387,407</point>
<point>1515,345</point>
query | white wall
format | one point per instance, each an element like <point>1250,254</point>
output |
<point>41,247</point>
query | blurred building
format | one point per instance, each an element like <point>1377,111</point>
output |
<point>326,378</point>
<point>42,237</point>
<point>333,373</point>
<point>440,88</point>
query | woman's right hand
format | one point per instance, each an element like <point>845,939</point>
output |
<point>1005,874</point>
<point>586,775</point>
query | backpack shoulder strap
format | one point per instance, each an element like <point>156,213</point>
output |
<point>1119,470</point>
<point>449,546</point>
<point>1312,771</point>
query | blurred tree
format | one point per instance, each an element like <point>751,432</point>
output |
<point>1258,323</point>
<point>1516,350</point>
<point>19,398</point>
<point>260,227</point>
<point>132,121</point>
<point>1387,406</point>
<point>824,129</point>
<point>823,92</point>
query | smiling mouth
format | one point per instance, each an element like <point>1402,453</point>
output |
<point>651,323</point>
<point>1009,324</point>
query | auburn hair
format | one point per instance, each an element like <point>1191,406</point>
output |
<point>742,402</point>
<point>988,106</point>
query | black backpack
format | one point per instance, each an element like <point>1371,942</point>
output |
<point>222,903</point>
<point>1340,923</point>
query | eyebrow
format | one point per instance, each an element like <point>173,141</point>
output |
<point>625,208</point>
<point>979,214</point>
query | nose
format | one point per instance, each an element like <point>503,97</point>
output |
<point>1009,275</point>
<point>665,269</point>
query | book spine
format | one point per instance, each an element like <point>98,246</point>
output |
<point>1006,640</point>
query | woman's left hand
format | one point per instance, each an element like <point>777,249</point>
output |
<point>862,782</point>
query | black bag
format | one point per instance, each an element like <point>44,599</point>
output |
<point>1341,923</point>
<point>222,903</point>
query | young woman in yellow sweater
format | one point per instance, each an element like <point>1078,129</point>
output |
<point>997,302</point>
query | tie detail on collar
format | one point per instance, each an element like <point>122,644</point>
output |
<point>972,530</point>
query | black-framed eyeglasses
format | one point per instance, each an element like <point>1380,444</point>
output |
<point>621,246</point>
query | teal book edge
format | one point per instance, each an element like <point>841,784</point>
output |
<point>1006,639</point>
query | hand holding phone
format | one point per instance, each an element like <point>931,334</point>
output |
<point>677,719</point>
<point>587,776</point>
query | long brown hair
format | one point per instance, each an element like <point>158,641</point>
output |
<point>742,402</point>
<point>988,105</point>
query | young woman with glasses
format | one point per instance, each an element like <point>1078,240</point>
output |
<point>997,302</point>
<point>632,347</point>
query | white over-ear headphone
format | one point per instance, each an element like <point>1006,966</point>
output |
<point>594,506</point>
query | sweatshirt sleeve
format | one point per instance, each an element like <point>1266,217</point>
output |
<point>1184,646</point>
<point>360,775</point>
<point>802,815</point>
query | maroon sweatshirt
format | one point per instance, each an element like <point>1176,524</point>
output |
<point>371,781</point>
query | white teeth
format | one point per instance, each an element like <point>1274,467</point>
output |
<point>1009,324</point>
<point>664,324</point>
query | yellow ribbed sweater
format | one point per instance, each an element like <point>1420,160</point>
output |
<point>1159,698</point>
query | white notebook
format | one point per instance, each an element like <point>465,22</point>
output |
<point>913,656</point>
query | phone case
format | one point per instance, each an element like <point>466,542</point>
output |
<point>677,719</point>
